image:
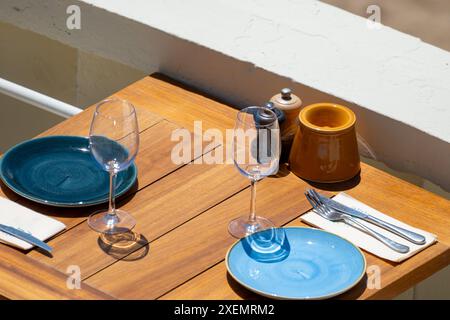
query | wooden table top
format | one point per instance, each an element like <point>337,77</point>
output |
<point>182,214</point>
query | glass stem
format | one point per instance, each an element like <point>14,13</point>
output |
<point>252,217</point>
<point>112,198</point>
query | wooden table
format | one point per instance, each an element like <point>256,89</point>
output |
<point>182,213</point>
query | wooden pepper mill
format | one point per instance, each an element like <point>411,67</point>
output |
<point>290,104</point>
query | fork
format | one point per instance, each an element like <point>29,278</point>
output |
<point>335,216</point>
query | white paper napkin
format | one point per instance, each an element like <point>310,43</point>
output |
<point>362,239</point>
<point>17,216</point>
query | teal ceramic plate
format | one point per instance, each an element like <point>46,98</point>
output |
<point>60,171</point>
<point>296,263</point>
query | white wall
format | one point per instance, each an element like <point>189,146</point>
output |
<point>98,78</point>
<point>408,16</point>
<point>396,84</point>
<point>24,59</point>
<point>55,69</point>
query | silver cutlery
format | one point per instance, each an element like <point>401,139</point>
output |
<point>406,234</point>
<point>22,235</point>
<point>335,216</point>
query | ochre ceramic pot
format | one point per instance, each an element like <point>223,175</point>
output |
<point>325,148</point>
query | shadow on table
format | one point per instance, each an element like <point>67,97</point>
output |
<point>271,246</point>
<point>241,291</point>
<point>8,193</point>
<point>284,171</point>
<point>337,186</point>
<point>67,212</point>
<point>355,292</point>
<point>244,293</point>
<point>126,246</point>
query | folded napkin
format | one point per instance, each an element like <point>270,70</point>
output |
<point>362,239</point>
<point>19,217</point>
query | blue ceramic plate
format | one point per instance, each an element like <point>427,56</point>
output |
<point>60,171</point>
<point>302,263</point>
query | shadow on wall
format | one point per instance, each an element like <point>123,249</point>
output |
<point>398,145</point>
<point>239,83</point>
<point>72,76</point>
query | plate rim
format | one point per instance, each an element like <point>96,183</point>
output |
<point>278,297</point>
<point>53,203</point>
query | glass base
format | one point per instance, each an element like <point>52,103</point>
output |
<point>105,223</point>
<point>242,227</point>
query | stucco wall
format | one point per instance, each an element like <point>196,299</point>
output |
<point>394,82</point>
<point>409,16</point>
<point>24,59</point>
<point>55,69</point>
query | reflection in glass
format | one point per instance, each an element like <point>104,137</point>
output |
<point>114,143</point>
<point>256,152</point>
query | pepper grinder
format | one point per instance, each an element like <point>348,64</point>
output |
<point>290,104</point>
<point>280,114</point>
<point>263,118</point>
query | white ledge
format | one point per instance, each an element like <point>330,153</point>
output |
<point>317,45</point>
<point>244,51</point>
<point>312,43</point>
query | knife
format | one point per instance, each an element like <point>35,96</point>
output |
<point>22,235</point>
<point>406,234</point>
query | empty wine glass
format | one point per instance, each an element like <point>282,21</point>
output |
<point>256,152</point>
<point>114,143</point>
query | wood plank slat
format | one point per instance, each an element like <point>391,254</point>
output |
<point>179,104</point>
<point>24,278</point>
<point>153,162</point>
<point>79,124</point>
<point>393,280</point>
<point>404,201</point>
<point>198,244</point>
<point>396,278</point>
<point>158,209</point>
<point>184,212</point>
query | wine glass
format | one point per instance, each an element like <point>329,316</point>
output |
<point>114,143</point>
<point>256,152</point>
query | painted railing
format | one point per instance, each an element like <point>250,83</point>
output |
<point>37,99</point>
